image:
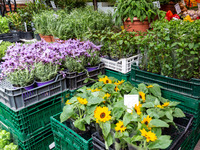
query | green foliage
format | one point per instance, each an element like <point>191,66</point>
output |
<point>21,77</point>
<point>172,49</point>
<point>27,12</point>
<point>75,64</point>
<point>45,72</point>
<point>73,25</point>
<point>4,25</point>
<point>141,9</point>
<point>15,21</point>
<point>115,45</point>
<point>5,141</point>
<point>3,48</point>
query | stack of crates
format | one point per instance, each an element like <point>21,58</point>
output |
<point>26,114</point>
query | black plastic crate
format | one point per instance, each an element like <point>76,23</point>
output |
<point>10,37</point>
<point>76,80</point>
<point>177,135</point>
<point>26,35</point>
<point>19,98</point>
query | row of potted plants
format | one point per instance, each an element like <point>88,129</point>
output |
<point>41,61</point>
<point>103,107</point>
<point>64,25</point>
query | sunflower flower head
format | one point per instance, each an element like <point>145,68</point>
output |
<point>116,89</point>
<point>150,86</point>
<point>146,120</point>
<point>67,102</point>
<point>165,104</point>
<point>105,80</point>
<point>82,100</point>
<point>142,96</point>
<point>137,108</point>
<point>102,114</point>
<point>150,136</point>
<point>107,95</point>
<point>159,106</point>
<point>120,127</point>
<point>95,90</point>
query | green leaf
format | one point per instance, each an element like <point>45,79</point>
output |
<point>150,98</point>
<point>173,103</point>
<point>161,143</point>
<point>136,138</point>
<point>169,115</point>
<point>178,113</point>
<point>67,113</point>
<point>191,45</point>
<point>109,139</point>
<point>128,117</point>
<point>94,100</point>
<point>80,124</point>
<point>148,105</point>
<point>157,102</point>
<point>159,123</point>
<point>142,87</point>
<point>155,90</point>
<point>106,128</point>
<point>117,112</point>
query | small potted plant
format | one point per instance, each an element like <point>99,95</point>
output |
<point>135,15</point>
<point>22,78</point>
<point>4,25</point>
<point>45,73</point>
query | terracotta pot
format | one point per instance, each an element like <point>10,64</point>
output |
<point>136,25</point>
<point>168,7</point>
<point>47,38</point>
<point>53,39</point>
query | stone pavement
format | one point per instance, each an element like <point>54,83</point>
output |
<point>197,146</point>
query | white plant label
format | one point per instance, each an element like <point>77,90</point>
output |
<point>53,4</point>
<point>178,9</point>
<point>156,4</point>
<point>52,145</point>
<point>198,5</point>
<point>130,101</point>
<point>25,26</point>
<point>1,41</point>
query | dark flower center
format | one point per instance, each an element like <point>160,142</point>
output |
<point>146,122</point>
<point>107,81</point>
<point>122,126</point>
<point>102,115</point>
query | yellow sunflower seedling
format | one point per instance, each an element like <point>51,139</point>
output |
<point>142,96</point>
<point>102,114</point>
<point>120,126</point>
<point>105,80</point>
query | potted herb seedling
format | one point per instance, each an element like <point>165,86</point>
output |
<point>4,25</point>
<point>135,15</point>
<point>22,78</point>
<point>45,73</point>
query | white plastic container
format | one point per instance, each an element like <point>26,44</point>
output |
<point>123,65</point>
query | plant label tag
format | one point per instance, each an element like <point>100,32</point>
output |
<point>52,145</point>
<point>53,4</point>
<point>1,41</point>
<point>130,101</point>
<point>25,26</point>
<point>156,4</point>
<point>178,9</point>
<point>198,6</point>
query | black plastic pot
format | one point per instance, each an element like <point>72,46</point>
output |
<point>26,35</point>
<point>11,37</point>
<point>37,37</point>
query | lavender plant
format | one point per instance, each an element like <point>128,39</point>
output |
<point>45,72</point>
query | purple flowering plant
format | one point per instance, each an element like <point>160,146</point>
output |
<point>24,56</point>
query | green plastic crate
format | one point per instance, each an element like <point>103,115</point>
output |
<point>31,119</point>
<point>118,75</point>
<point>189,88</point>
<point>66,139</point>
<point>39,141</point>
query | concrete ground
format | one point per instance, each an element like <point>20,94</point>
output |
<point>197,146</point>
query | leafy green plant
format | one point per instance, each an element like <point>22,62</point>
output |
<point>76,64</point>
<point>3,48</point>
<point>5,139</point>
<point>115,45</point>
<point>141,125</point>
<point>15,21</point>
<point>4,25</point>
<point>141,9</point>
<point>172,49</point>
<point>21,77</point>
<point>45,72</point>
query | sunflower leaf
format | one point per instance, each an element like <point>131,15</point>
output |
<point>67,113</point>
<point>106,128</point>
